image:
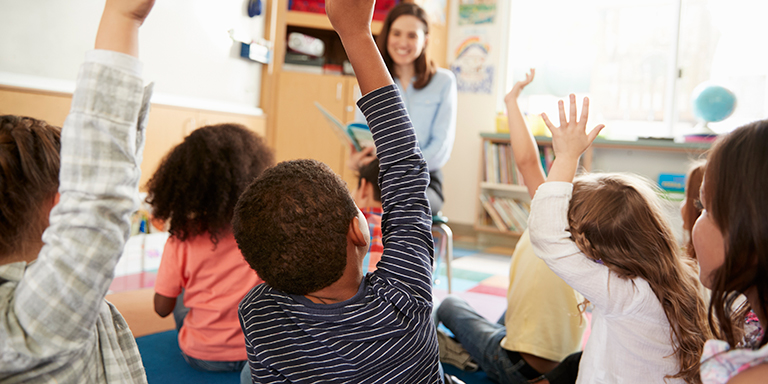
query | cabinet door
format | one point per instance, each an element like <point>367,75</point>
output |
<point>166,128</point>
<point>301,130</point>
<point>254,123</point>
<point>51,108</point>
<point>352,93</point>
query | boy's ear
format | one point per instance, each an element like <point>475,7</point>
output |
<point>358,231</point>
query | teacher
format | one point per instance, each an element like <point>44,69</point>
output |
<point>429,92</point>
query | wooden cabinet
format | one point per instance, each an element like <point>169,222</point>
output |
<point>166,128</point>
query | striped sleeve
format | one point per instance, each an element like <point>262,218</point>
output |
<point>403,178</point>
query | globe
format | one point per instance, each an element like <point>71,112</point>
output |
<point>712,102</point>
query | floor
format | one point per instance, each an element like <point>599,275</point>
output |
<point>480,276</point>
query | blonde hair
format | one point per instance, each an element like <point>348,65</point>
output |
<point>617,219</point>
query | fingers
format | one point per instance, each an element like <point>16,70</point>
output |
<point>572,101</point>
<point>367,151</point>
<point>584,112</point>
<point>561,107</point>
<point>594,132</point>
<point>547,122</point>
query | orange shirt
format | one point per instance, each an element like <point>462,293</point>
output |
<point>214,282</point>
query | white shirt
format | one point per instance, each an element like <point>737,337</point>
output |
<point>630,340</point>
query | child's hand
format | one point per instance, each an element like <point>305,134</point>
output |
<point>136,10</point>
<point>570,139</point>
<point>119,26</point>
<point>349,17</point>
<point>358,160</point>
<point>518,87</point>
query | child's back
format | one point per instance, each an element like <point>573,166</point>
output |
<point>605,235</point>
<point>384,332</point>
<point>195,188</point>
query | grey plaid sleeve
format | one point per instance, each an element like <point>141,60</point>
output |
<point>57,302</point>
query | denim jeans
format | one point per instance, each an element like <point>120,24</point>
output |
<point>179,313</point>
<point>481,338</point>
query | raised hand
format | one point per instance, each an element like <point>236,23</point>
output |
<point>136,10</point>
<point>358,160</point>
<point>514,93</point>
<point>571,139</point>
<point>349,17</point>
<point>119,27</point>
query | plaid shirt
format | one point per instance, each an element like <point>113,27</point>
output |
<point>56,326</point>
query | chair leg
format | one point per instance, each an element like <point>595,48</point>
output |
<point>446,249</point>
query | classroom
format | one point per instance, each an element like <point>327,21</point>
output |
<point>571,159</point>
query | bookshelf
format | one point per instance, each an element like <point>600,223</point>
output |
<point>503,201</point>
<point>499,179</point>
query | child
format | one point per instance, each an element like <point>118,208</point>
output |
<point>732,249</point>
<point>691,207</point>
<point>56,325</point>
<point>317,318</point>
<point>611,243</point>
<point>542,324</point>
<point>368,198</point>
<point>195,188</point>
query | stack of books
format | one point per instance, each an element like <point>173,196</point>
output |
<point>299,62</point>
<point>505,213</point>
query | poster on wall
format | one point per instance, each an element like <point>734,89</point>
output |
<point>474,12</point>
<point>435,9</point>
<point>474,73</point>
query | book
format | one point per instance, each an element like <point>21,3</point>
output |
<point>492,213</point>
<point>357,135</point>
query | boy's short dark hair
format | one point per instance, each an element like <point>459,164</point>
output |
<point>370,172</point>
<point>291,225</point>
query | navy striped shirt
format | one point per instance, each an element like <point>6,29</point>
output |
<point>383,334</point>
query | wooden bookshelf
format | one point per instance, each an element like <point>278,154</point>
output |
<point>319,21</point>
<point>519,192</point>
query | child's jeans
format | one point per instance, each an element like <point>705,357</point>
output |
<point>179,313</point>
<point>481,339</point>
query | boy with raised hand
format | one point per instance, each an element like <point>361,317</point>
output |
<point>317,318</point>
<point>56,325</point>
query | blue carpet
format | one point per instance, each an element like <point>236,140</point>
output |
<point>164,364</point>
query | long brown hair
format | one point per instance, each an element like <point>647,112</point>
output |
<point>29,174</point>
<point>617,219</point>
<point>735,185</point>
<point>692,208</point>
<point>424,66</point>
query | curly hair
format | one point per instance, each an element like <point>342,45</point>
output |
<point>630,235</point>
<point>197,184</point>
<point>30,157</point>
<point>735,187</point>
<point>291,226</point>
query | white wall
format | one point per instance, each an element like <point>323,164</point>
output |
<point>184,45</point>
<point>476,114</point>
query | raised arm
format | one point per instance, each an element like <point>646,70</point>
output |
<point>58,300</point>
<point>570,140</point>
<point>523,143</point>
<point>403,175</point>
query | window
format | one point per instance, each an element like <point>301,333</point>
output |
<point>640,60</point>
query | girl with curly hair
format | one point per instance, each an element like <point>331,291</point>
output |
<point>195,190</point>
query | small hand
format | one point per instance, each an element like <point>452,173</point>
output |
<point>358,160</point>
<point>136,10</point>
<point>350,16</point>
<point>570,139</point>
<point>514,93</point>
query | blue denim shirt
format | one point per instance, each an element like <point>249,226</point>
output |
<point>433,112</point>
